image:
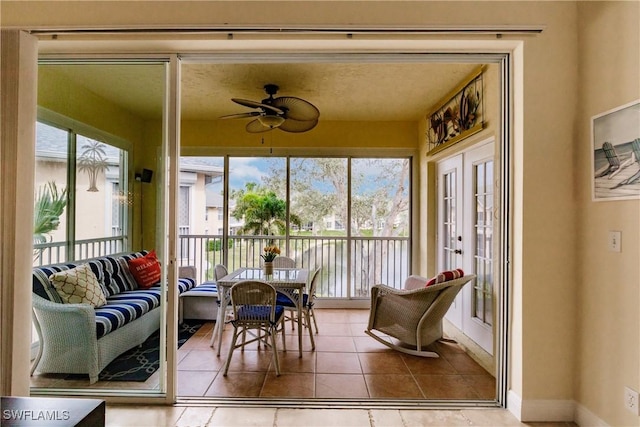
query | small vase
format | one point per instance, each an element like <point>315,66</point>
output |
<point>268,268</point>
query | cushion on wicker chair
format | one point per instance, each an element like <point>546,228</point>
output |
<point>445,276</point>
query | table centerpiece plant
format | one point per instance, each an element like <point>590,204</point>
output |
<point>270,253</point>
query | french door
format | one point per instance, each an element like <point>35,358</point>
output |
<point>465,238</point>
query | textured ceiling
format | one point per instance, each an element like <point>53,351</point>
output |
<point>341,91</point>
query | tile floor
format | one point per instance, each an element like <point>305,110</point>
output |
<point>125,416</point>
<point>347,363</point>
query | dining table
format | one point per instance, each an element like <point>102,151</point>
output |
<point>287,281</point>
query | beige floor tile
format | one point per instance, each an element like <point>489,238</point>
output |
<point>342,344</point>
<point>332,386</point>
<point>243,417</point>
<point>385,418</point>
<point>382,363</point>
<point>430,417</point>
<point>250,361</point>
<point>195,383</point>
<point>291,362</point>
<point>445,387</point>
<point>490,417</point>
<point>333,329</point>
<point>369,345</point>
<point>337,363</point>
<point>142,416</point>
<point>288,385</point>
<point>201,360</point>
<point>357,329</point>
<point>195,416</point>
<point>484,385</point>
<point>428,365</point>
<point>237,384</point>
<point>464,364</point>
<point>393,386</point>
<point>322,418</point>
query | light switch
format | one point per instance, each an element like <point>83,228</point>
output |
<point>614,241</point>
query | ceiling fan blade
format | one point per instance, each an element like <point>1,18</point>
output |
<point>297,126</point>
<point>297,108</point>
<point>241,115</point>
<point>254,126</point>
<point>256,104</point>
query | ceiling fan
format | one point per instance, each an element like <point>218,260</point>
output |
<point>287,113</point>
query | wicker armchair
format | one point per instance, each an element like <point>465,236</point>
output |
<point>412,316</point>
<point>255,310</point>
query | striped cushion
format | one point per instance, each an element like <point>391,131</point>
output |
<point>127,306</point>
<point>205,289</point>
<point>185,284</point>
<point>113,273</point>
<point>41,285</point>
<point>124,308</point>
<point>445,276</point>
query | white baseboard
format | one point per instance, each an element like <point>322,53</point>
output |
<point>540,410</point>
<point>585,417</point>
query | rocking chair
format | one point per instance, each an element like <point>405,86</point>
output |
<point>412,316</point>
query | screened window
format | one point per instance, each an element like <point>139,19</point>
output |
<point>81,208</point>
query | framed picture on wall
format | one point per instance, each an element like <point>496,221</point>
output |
<point>616,153</point>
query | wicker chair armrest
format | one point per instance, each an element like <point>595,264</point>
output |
<point>55,318</point>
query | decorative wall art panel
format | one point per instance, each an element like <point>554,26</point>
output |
<point>616,153</point>
<point>459,115</point>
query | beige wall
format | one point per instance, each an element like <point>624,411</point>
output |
<point>566,308</point>
<point>608,291</point>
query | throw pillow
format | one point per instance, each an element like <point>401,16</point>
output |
<point>445,276</point>
<point>79,285</point>
<point>146,270</point>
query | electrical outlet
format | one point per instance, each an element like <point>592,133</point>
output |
<point>614,241</point>
<point>631,400</point>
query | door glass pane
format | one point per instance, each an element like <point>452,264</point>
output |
<point>379,223</point>
<point>50,199</point>
<point>92,117</point>
<point>319,197</point>
<point>98,167</point>
<point>483,196</point>
<point>201,214</point>
<point>257,208</point>
<point>449,225</point>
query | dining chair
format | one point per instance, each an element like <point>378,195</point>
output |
<point>219,271</point>
<point>255,309</point>
<point>307,306</point>
<point>284,262</point>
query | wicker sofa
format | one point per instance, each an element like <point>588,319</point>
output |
<point>83,339</point>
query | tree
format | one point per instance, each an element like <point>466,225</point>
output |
<point>93,160</point>
<point>264,214</point>
<point>48,209</point>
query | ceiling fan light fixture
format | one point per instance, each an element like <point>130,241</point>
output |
<point>271,121</point>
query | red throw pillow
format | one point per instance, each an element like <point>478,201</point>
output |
<point>146,270</point>
<point>445,276</point>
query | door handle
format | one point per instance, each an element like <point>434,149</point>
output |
<point>458,251</point>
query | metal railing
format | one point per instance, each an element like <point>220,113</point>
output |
<point>57,252</point>
<point>350,266</point>
<point>345,273</point>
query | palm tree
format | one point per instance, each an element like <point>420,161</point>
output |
<point>263,212</point>
<point>48,209</point>
<point>93,160</point>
